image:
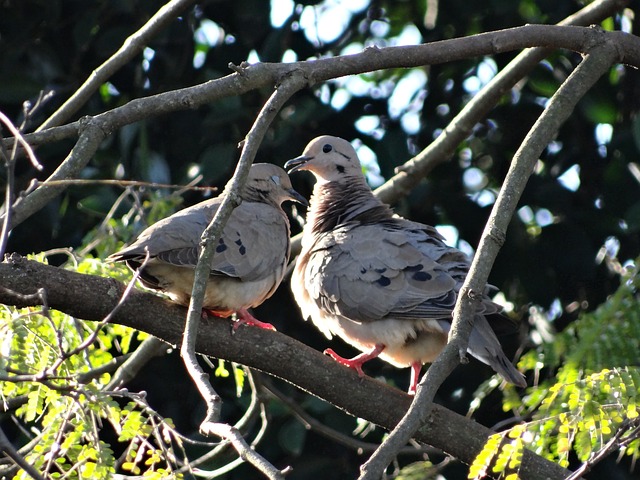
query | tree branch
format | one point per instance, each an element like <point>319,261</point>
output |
<point>267,74</point>
<point>442,148</point>
<point>91,298</point>
<point>210,425</point>
<point>560,107</point>
<point>131,47</point>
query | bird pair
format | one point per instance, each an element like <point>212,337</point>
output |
<point>382,283</point>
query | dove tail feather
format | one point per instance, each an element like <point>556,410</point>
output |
<point>484,345</point>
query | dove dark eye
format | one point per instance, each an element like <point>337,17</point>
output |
<point>327,148</point>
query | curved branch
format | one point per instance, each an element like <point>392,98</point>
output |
<point>131,47</point>
<point>210,236</point>
<point>265,74</point>
<point>442,148</point>
<point>92,298</point>
<point>560,107</point>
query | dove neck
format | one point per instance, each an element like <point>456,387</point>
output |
<point>337,203</point>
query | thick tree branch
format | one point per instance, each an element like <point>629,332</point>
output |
<point>560,107</point>
<point>91,298</point>
<point>266,74</point>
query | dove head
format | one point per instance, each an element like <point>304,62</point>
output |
<point>269,183</point>
<point>330,159</point>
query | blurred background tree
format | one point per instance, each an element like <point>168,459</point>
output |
<point>577,225</point>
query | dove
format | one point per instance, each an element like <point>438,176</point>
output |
<point>384,284</point>
<point>250,257</point>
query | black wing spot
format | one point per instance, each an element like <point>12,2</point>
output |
<point>380,270</point>
<point>242,250</point>
<point>422,276</point>
<point>221,247</point>
<point>415,268</point>
<point>238,242</point>
<point>383,281</point>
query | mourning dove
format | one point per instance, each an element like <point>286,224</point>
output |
<point>250,256</point>
<point>382,283</point>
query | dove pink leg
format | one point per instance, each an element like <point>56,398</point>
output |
<point>244,317</point>
<point>357,361</point>
<point>415,377</point>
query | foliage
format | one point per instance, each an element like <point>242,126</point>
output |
<point>53,366</point>
<point>590,401</point>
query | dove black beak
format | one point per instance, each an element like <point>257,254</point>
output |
<point>297,163</point>
<point>296,197</point>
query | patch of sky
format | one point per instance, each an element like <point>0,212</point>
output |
<point>484,198</point>
<point>525,214</point>
<point>370,125</point>
<point>281,10</point>
<point>450,233</point>
<point>253,57</point>
<point>474,178</point>
<point>554,147</point>
<point>325,22</point>
<point>207,35</point>
<point>603,134</point>
<point>544,217</point>
<point>407,88</point>
<point>147,56</point>
<point>369,163</point>
<point>289,56</point>
<point>626,20</point>
<point>485,71</point>
<point>570,179</point>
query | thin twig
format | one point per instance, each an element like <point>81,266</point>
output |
<point>125,183</point>
<point>150,348</point>
<point>10,163</point>
<point>7,448</point>
<point>560,106</point>
<point>92,337</point>
<point>630,427</point>
<point>91,136</point>
<point>21,140</point>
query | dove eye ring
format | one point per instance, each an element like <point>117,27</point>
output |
<point>327,148</point>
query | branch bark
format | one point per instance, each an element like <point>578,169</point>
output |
<point>260,75</point>
<point>92,298</point>
<point>210,236</point>
<point>131,47</point>
<point>560,107</point>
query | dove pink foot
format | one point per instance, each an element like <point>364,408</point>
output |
<point>357,361</point>
<point>415,377</point>
<point>243,317</point>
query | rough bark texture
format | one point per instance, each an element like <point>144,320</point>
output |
<point>92,298</point>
